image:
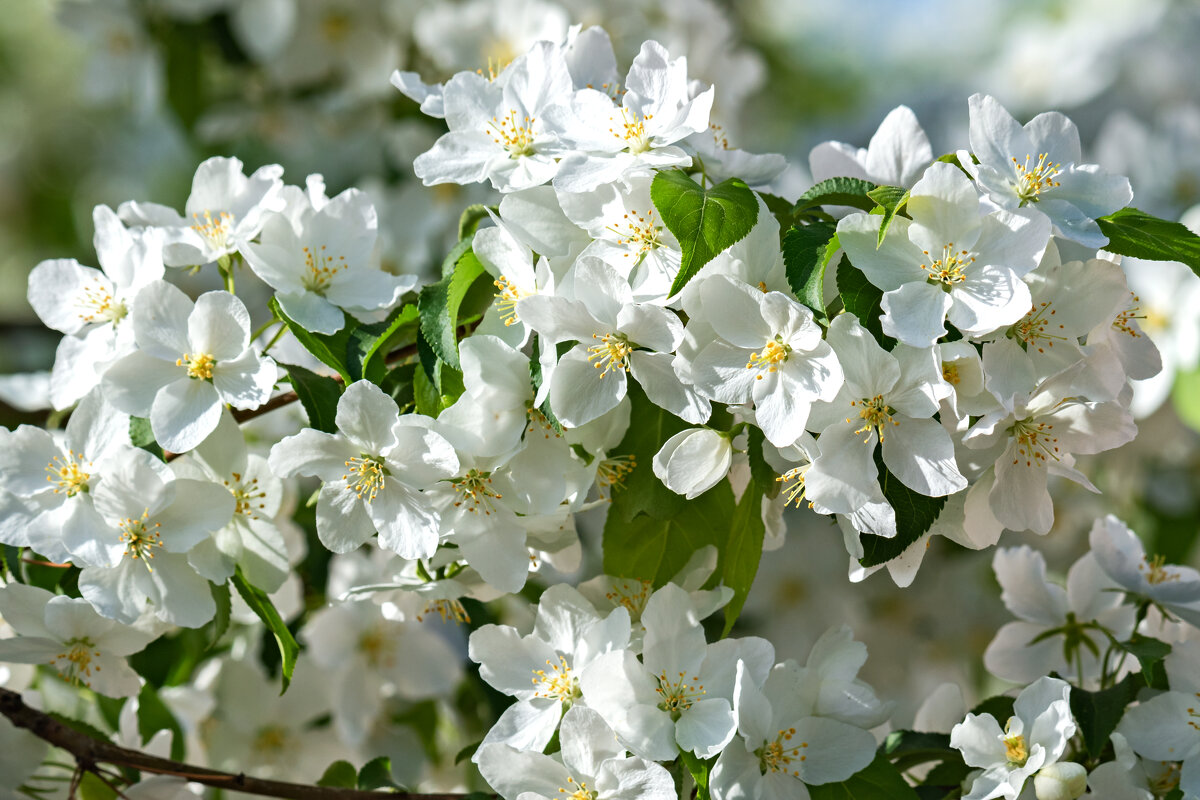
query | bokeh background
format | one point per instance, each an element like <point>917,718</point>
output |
<point>103,101</point>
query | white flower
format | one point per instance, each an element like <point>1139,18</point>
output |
<point>1051,619</point>
<point>947,261</point>
<point>225,210</point>
<point>138,558</point>
<point>1122,556</point>
<point>1064,780</point>
<point>319,262</point>
<point>679,696</point>
<point>896,155</point>
<point>191,358</point>
<point>693,461</point>
<point>66,634</point>
<point>1037,166</point>
<point>593,766</point>
<point>374,470</point>
<point>1035,737</point>
<point>542,670</point>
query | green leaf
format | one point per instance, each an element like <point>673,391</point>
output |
<point>743,551</point>
<point>705,221</point>
<point>654,549</point>
<point>466,752</point>
<point>879,781</point>
<point>376,774</point>
<point>806,253</point>
<point>142,436</point>
<point>1135,233</point>
<point>339,775</point>
<point>12,564</point>
<point>319,394</point>
<point>891,199</point>
<point>642,492</point>
<point>837,192</point>
<point>861,298</point>
<point>780,208</point>
<point>368,345</point>
<point>425,392</point>
<point>908,749</point>
<point>470,218</point>
<point>330,349</point>
<point>92,788</point>
<point>760,471</point>
<point>1097,713</point>
<point>915,513</point>
<point>1150,654</point>
<point>1000,707</point>
<point>153,716</point>
<point>699,769</point>
<point>217,626</point>
<point>439,306</point>
<point>261,605</point>
<point>79,725</point>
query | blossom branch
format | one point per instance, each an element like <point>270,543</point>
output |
<point>89,752</point>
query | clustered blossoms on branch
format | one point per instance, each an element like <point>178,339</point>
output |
<point>619,330</point>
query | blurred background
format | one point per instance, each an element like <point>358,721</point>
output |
<point>103,101</point>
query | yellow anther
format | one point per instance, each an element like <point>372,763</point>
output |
<point>1039,329</point>
<point>320,268</point>
<point>507,299</point>
<point>610,354</point>
<point>140,538</point>
<point>198,366</point>
<point>768,359</point>
<point>67,473</point>
<point>514,136</point>
<point>1032,181</point>
<point>475,492</point>
<point>876,414</point>
<point>949,269</point>
<point>1036,442</point>
<point>366,476</point>
<point>215,230</point>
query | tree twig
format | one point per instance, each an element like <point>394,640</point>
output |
<point>90,752</point>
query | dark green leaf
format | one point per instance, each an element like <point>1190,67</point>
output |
<point>217,626</point>
<point>1000,707</point>
<point>891,199</point>
<point>642,492</point>
<point>1135,233</point>
<point>879,781</point>
<point>425,392</point>
<point>79,725</point>
<point>369,345</point>
<point>780,208</point>
<point>921,745</point>
<point>699,770</point>
<point>861,298</point>
<point>12,564</point>
<point>439,306</point>
<point>837,192</point>
<point>1150,654</point>
<point>339,775</point>
<point>705,221</point>
<point>319,394</point>
<point>743,551</point>
<point>806,253</point>
<point>153,716</point>
<point>466,752</point>
<point>92,788</point>
<point>261,605</point>
<point>915,513</point>
<point>1097,713</point>
<point>140,435</point>
<point>470,218</point>
<point>760,471</point>
<point>330,349</point>
<point>376,774</point>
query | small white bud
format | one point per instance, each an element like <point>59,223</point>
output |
<point>1062,781</point>
<point>691,462</point>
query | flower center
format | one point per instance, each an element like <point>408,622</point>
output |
<point>198,366</point>
<point>66,471</point>
<point>98,305</point>
<point>1124,321</point>
<point>718,134</point>
<point>770,357</point>
<point>777,756</point>
<point>214,230</point>
<point>1032,181</point>
<point>475,491</point>
<point>74,664</point>
<point>515,137</point>
<point>366,476</point>
<point>320,269</point>
<point>641,235</point>
<point>950,373</point>
<point>140,538</point>
<point>632,128</point>
<point>632,594</point>
<point>1035,442</point>
<point>612,472</point>
<point>507,299</point>
<point>610,353</point>
<point>1016,750</point>
<point>875,413</point>
<point>793,485</point>
<point>949,269</point>
<point>559,683</point>
<point>1034,330</point>
<point>581,790</point>
<point>335,26</point>
<point>376,647</point>
<point>245,495</point>
<point>678,695</point>
<point>271,739</point>
<point>1156,570</point>
<point>447,610</point>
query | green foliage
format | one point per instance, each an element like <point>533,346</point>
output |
<point>140,435</point>
<point>10,559</point>
<point>837,192</point>
<point>862,298</point>
<point>642,492</point>
<point>908,749</point>
<point>470,218</point>
<point>892,200</point>
<point>1097,713</point>
<point>915,514</point>
<point>1135,233</point>
<point>441,304</point>
<point>807,250</point>
<point>743,550</point>
<point>699,769</point>
<point>376,774</point>
<point>339,775</point>
<point>879,781</point>
<point>1150,654</point>
<point>368,345</point>
<point>219,624</point>
<point>261,605</point>
<point>705,221</point>
<point>780,208</point>
<point>1000,707</point>
<point>153,716</point>
<point>319,394</point>
<point>760,471</point>
<point>329,349</point>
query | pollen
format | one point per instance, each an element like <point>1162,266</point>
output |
<point>612,472</point>
<point>1016,750</point>
<point>558,682</point>
<point>1033,180</point>
<point>948,270</point>
<point>365,477</point>
<point>475,492</point>
<point>950,373</point>
<point>140,538</point>
<point>1124,322</point>
<point>1156,570</point>
<point>630,594</point>
<point>778,754</point>
<point>876,414</point>
<point>67,473</point>
<point>1036,442</point>
<point>1039,329</point>
<point>448,610</point>
<point>774,353</point>
<point>506,300</point>
<point>793,485</point>
<point>74,663</point>
<point>198,366</point>
<point>640,234</point>
<point>632,128</point>
<point>576,790</point>
<point>247,496</point>
<point>214,229</point>
<point>514,136</point>
<point>97,304</point>
<point>677,694</point>
<point>611,352</point>
<point>320,267</point>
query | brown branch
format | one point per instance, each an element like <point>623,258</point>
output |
<point>90,752</point>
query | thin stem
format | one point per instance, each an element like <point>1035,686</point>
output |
<point>278,335</point>
<point>263,328</point>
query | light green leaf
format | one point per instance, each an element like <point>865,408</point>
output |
<point>892,200</point>
<point>219,624</point>
<point>140,435</point>
<point>339,775</point>
<point>318,394</point>
<point>261,605</point>
<point>837,192</point>
<point>440,304</point>
<point>330,350</point>
<point>699,770</point>
<point>879,781</point>
<point>368,345</point>
<point>1135,233</point>
<point>705,221</point>
<point>376,774</point>
<point>807,250</point>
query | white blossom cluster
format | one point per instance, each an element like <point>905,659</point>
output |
<point>1001,347</point>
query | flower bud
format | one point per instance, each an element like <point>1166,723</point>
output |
<point>1065,780</point>
<point>691,462</point>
